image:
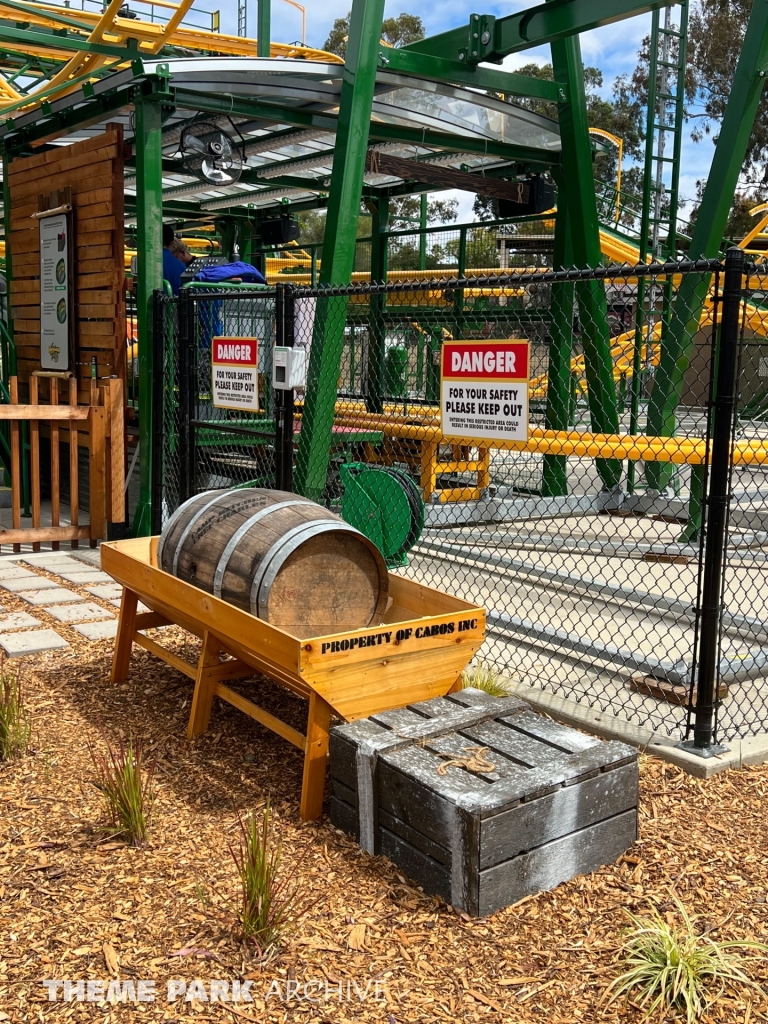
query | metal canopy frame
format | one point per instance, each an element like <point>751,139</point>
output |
<point>287,133</point>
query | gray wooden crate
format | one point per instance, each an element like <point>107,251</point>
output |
<point>558,803</point>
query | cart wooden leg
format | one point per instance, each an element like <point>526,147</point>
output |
<point>315,756</point>
<point>126,627</point>
<point>458,685</point>
<point>205,686</point>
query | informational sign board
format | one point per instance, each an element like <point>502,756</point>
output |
<point>55,292</point>
<point>235,373</point>
<point>484,390</point>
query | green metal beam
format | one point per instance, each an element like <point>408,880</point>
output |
<point>379,210</point>
<point>263,27</point>
<point>425,65</point>
<point>486,38</point>
<point>557,415</point>
<point>149,207</point>
<point>358,84</point>
<point>578,189</point>
<point>722,181</point>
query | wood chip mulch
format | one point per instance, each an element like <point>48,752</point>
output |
<point>80,905</point>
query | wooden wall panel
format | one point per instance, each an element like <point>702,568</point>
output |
<point>93,170</point>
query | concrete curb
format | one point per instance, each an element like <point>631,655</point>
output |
<point>750,751</point>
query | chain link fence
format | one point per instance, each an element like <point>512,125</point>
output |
<point>587,543</point>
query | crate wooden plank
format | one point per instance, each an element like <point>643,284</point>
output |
<point>569,740</point>
<point>567,809</point>
<point>456,747</point>
<point>344,816</point>
<point>342,792</point>
<point>91,345</point>
<point>506,741</point>
<point>25,242</point>
<point>409,787</point>
<point>609,756</point>
<point>435,878</point>
<point>576,854</point>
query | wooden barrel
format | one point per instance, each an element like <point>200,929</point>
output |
<point>279,556</point>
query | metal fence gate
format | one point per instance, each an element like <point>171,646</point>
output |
<point>620,553</point>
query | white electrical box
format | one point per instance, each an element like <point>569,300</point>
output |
<point>289,369</point>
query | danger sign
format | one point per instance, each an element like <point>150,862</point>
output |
<point>484,390</point>
<point>234,369</point>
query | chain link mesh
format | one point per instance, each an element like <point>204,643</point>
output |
<point>586,543</point>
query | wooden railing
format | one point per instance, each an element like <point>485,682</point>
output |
<point>99,426</point>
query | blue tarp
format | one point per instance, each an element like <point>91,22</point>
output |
<point>226,271</point>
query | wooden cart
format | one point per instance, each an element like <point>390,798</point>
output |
<point>426,640</point>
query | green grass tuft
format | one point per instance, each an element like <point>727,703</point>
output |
<point>672,967</point>
<point>268,898</point>
<point>126,782</point>
<point>15,727</point>
<point>484,677</point>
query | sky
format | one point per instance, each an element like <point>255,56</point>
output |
<point>612,49</point>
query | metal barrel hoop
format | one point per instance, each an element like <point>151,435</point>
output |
<point>238,535</point>
<point>277,555</point>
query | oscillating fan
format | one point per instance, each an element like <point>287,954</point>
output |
<point>211,154</point>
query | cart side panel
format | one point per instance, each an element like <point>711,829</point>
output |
<point>366,671</point>
<point>412,600</point>
<point>241,633</point>
<point>366,688</point>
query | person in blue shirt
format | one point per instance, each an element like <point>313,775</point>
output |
<point>173,268</point>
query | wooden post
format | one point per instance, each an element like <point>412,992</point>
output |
<point>315,757</point>
<point>15,463</point>
<point>74,489</point>
<point>205,685</point>
<point>116,494</point>
<point>34,457</point>
<point>55,474</point>
<point>97,467</point>
<point>126,627</point>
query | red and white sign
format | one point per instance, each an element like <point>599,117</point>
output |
<point>234,371</point>
<point>484,390</point>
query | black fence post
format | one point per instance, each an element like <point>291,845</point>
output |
<point>186,365</point>
<point>158,419</point>
<point>707,671</point>
<point>284,336</point>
